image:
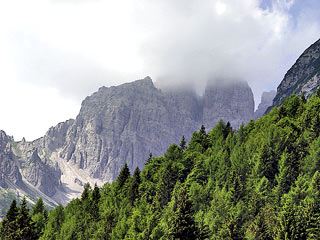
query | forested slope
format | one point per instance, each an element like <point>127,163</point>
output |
<point>260,182</point>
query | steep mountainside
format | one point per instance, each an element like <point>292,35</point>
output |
<point>28,176</point>
<point>266,102</point>
<point>302,77</point>
<point>119,125</point>
<point>9,170</point>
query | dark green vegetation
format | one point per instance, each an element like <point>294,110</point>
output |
<point>260,182</point>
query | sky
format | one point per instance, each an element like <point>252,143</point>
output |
<point>54,53</point>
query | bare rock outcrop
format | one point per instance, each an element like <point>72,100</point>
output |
<point>124,124</point>
<point>9,170</point>
<point>119,125</point>
<point>302,77</point>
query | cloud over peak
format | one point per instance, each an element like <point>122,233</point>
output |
<point>74,47</point>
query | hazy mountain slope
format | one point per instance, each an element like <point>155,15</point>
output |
<point>302,77</point>
<point>266,102</point>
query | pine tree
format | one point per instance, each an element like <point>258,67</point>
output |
<point>134,186</point>
<point>183,144</point>
<point>123,176</point>
<point>183,225</point>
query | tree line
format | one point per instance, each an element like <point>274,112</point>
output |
<point>261,181</point>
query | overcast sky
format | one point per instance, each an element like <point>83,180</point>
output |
<point>53,53</point>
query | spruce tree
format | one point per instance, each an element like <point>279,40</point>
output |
<point>39,217</point>
<point>313,208</point>
<point>303,98</point>
<point>55,220</point>
<point>123,175</point>
<point>9,226</point>
<point>227,129</point>
<point>315,126</point>
<point>182,144</point>
<point>95,198</point>
<point>203,139</point>
<point>149,158</point>
<point>25,226</point>
<point>38,208</point>
<point>134,186</point>
<point>86,192</point>
<point>183,225</point>
<point>318,92</point>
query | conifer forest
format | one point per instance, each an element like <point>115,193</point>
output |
<point>261,181</point>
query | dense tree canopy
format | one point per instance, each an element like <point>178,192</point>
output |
<point>259,182</point>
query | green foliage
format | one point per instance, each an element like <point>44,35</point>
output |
<point>134,186</point>
<point>259,182</point>
<point>182,225</point>
<point>123,176</point>
<point>8,225</point>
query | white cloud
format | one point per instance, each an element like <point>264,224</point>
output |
<point>59,51</point>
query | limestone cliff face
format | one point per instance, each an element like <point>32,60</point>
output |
<point>231,102</point>
<point>9,170</point>
<point>25,177</point>
<point>124,124</point>
<point>302,77</point>
<point>266,102</point>
<point>119,125</point>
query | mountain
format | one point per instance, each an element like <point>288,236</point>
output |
<point>260,182</point>
<point>266,102</point>
<point>28,176</point>
<point>118,125</point>
<point>302,77</point>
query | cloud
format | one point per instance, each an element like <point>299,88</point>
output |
<point>224,39</point>
<point>70,48</point>
<point>81,45</point>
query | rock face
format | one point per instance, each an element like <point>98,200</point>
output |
<point>123,124</point>
<point>266,102</point>
<point>9,170</point>
<point>25,177</point>
<point>231,102</point>
<point>302,77</point>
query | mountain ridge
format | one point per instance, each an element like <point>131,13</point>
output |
<point>303,77</point>
<point>123,124</point>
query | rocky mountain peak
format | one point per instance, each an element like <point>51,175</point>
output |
<point>123,124</point>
